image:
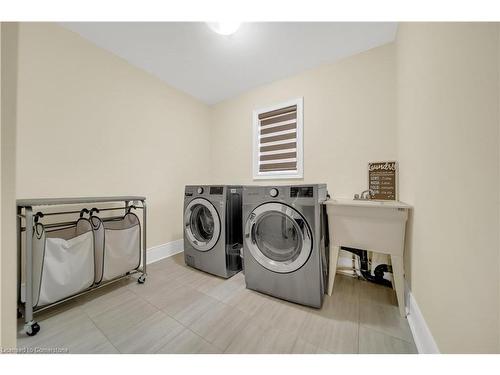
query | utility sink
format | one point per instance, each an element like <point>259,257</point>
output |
<point>372,225</point>
<point>368,203</point>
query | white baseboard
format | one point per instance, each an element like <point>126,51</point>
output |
<point>165,250</point>
<point>424,341</point>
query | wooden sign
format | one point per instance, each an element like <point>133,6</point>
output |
<point>382,179</point>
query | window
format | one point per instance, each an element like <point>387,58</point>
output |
<point>277,141</point>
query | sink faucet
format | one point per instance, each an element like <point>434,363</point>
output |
<point>365,195</point>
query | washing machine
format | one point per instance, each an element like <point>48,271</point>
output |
<point>284,242</point>
<point>213,229</point>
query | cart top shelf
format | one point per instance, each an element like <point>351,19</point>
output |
<point>79,200</point>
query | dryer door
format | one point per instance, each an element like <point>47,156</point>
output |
<point>201,224</point>
<point>278,237</point>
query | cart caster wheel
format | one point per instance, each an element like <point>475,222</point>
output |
<point>31,329</point>
<point>141,279</point>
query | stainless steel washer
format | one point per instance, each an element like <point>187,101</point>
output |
<point>285,238</point>
<point>213,229</point>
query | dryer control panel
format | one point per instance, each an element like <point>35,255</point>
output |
<point>216,190</point>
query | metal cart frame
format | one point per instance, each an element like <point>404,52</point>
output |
<point>31,327</point>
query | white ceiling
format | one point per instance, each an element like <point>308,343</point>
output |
<point>211,67</point>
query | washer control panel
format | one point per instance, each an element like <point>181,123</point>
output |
<point>301,192</point>
<point>199,190</point>
<point>274,192</point>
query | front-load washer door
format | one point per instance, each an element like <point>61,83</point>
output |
<point>278,237</point>
<point>201,224</point>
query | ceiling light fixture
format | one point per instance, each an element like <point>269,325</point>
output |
<point>224,28</point>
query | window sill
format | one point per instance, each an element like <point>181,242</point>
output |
<point>278,176</point>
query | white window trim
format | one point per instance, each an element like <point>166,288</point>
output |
<point>299,102</point>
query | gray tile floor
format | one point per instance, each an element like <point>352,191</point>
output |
<point>182,310</point>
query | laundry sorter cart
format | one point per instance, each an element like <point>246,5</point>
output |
<point>62,260</point>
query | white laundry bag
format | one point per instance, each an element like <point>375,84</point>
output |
<point>63,261</point>
<point>122,246</point>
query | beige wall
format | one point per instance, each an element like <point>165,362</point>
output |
<point>8,258</point>
<point>349,119</point>
<point>449,170</point>
<point>91,124</point>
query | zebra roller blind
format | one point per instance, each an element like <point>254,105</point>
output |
<point>278,141</point>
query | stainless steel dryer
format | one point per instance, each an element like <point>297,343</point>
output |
<point>284,242</point>
<point>213,229</point>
